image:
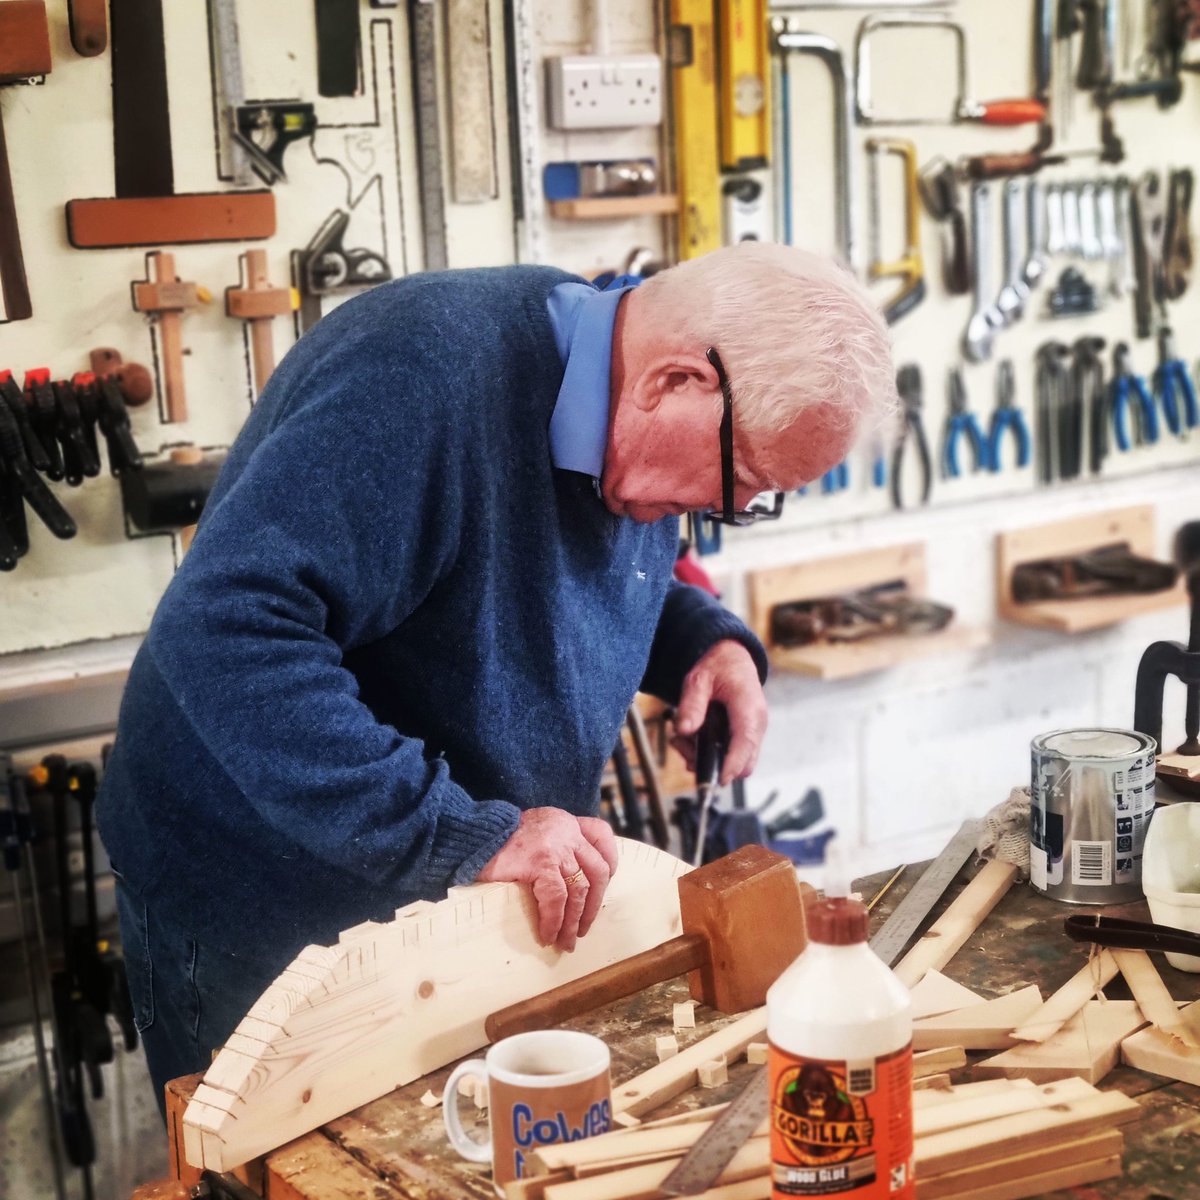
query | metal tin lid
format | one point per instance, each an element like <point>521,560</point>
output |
<point>1093,743</point>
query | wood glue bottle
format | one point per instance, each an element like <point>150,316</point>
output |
<point>840,1030</point>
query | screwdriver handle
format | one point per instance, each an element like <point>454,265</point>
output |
<point>712,743</point>
<point>1009,112</point>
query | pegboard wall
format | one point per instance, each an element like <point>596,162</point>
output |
<point>363,160</point>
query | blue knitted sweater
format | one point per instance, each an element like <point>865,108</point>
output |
<point>398,625</point>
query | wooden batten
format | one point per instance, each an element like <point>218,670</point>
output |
<point>1153,998</point>
<point>936,994</point>
<point>1160,1053</point>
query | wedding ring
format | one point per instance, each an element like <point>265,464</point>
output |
<point>572,880</point>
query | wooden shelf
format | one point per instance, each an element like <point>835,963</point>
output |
<point>1076,536</point>
<point>1180,766</point>
<point>837,576</point>
<point>598,208</point>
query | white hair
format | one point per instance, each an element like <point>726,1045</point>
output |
<point>794,331</point>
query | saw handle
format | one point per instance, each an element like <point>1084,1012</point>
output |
<point>1120,934</point>
<point>688,952</point>
<point>1010,112</point>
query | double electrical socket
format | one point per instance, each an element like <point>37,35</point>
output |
<point>607,91</point>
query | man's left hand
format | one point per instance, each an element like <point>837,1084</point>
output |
<point>726,673</point>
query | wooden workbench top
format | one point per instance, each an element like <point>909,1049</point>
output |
<point>396,1148</point>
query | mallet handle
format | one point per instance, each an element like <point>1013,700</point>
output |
<point>687,952</point>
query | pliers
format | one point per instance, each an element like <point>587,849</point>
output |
<point>1125,382</point>
<point>908,384</point>
<point>1007,417</point>
<point>1172,379</point>
<point>961,422</point>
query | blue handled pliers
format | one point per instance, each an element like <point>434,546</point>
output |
<point>836,479</point>
<point>1173,381</point>
<point>1007,417</point>
<point>961,423</point>
<point>1126,382</point>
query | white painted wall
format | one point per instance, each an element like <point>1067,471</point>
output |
<point>900,756</point>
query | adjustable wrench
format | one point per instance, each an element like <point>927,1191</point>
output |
<point>977,341</point>
<point>1089,237</point>
<point>1072,235</point>
<point>1178,255</point>
<point>1056,230</point>
<point>1011,300</point>
<point>1149,231</point>
<point>1035,231</point>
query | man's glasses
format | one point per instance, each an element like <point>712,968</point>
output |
<point>729,515</point>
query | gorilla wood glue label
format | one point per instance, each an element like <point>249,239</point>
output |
<point>839,1026</point>
<point>841,1128</point>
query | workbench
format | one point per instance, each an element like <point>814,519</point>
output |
<point>396,1148</point>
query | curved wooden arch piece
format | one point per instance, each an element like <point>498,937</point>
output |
<point>345,1024</point>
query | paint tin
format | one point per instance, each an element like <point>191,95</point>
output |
<point>1091,799</point>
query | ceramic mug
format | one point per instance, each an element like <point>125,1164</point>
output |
<point>544,1087</point>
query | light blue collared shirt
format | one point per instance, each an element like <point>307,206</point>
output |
<point>583,318</point>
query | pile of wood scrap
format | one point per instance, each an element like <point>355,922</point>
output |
<point>1075,1033</point>
<point>994,1140</point>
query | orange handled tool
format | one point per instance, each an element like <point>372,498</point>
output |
<point>1003,112</point>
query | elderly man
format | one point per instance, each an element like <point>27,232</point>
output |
<point>432,575</point>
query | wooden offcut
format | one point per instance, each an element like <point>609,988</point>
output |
<point>1099,970</point>
<point>1153,998</point>
<point>936,994</point>
<point>393,1001</point>
<point>986,1026</point>
<point>1088,1046</point>
<point>1160,1053</point>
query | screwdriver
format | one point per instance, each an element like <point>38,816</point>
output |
<point>712,744</point>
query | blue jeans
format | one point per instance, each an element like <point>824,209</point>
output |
<point>188,997</point>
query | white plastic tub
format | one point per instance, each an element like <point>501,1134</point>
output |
<point>1171,873</point>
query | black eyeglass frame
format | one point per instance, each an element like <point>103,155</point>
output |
<point>729,515</point>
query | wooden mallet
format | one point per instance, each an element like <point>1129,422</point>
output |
<point>743,922</point>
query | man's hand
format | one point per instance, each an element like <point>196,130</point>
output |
<point>726,673</point>
<point>567,861</point>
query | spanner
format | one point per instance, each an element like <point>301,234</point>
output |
<point>1072,235</point>
<point>1089,237</point>
<point>977,341</point>
<point>1011,300</point>
<point>1123,194</point>
<point>1056,236</point>
<point>1109,233</point>
<point>1149,230</point>
<point>1035,231</point>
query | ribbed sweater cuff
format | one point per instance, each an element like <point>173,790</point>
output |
<point>728,628</point>
<point>468,836</point>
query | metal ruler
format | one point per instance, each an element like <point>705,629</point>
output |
<point>228,88</point>
<point>744,85</point>
<point>702,1165</point>
<point>529,208</point>
<point>693,59</point>
<point>896,931</point>
<point>422,16</point>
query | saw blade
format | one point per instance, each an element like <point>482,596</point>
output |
<point>702,1165</point>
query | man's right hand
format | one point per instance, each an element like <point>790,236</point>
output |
<point>567,861</point>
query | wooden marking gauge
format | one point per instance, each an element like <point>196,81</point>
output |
<point>165,297</point>
<point>256,302</point>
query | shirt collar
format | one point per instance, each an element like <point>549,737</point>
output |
<point>583,318</point>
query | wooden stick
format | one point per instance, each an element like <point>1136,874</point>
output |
<point>1069,999</point>
<point>935,994</point>
<point>946,936</point>
<point>1152,996</point>
<point>1053,1180</point>
<point>647,1091</point>
<point>977,1109</point>
<point>1154,1051</point>
<point>935,1062</point>
<point>1101,1145</point>
<point>1023,1132</point>
<point>968,1091</point>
